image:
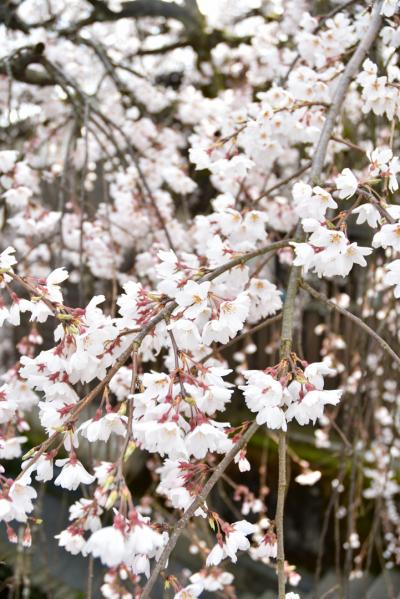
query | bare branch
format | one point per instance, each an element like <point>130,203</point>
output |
<point>258,327</point>
<point>10,18</point>
<point>350,316</point>
<point>137,9</point>
<point>351,69</point>
<point>18,65</point>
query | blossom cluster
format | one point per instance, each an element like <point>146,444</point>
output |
<point>300,395</point>
<point>155,193</point>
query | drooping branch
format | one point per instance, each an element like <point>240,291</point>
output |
<point>378,205</point>
<point>18,66</point>
<point>258,327</point>
<point>197,503</point>
<point>320,297</point>
<point>145,8</point>
<point>194,33</point>
<point>163,314</point>
<point>136,9</point>
<point>317,166</point>
<point>10,18</point>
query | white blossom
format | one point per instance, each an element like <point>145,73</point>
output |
<point>108,544</point>
<point>72,542</point>
<point>393,276</point>
<point>346,184</point>
<point>72,474</point>
<point>235,540</point>
<point>264,395</point>
<point>308,478</point>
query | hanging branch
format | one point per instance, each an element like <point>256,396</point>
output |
<point>197,503</point>
<point>163,314</point>
<point>320,297</point>
<point>317,166</point>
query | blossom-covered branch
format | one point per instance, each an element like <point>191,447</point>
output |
<point>177,181</point>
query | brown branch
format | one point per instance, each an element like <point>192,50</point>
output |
<point>348,143</point>
<point>136,9</point>
<point>251,331</point>
<point>197,503</point>
<point>288,309</point>
<point>163,49</point>
<point>10,18</point>
<point>18,66</point>
<point>350,316</point>
<point>130,411</point>
<point>163,314</point>
<point>283,182</point>
<point>376,202</point>
<point>242,259</point>
<point>35,292</point>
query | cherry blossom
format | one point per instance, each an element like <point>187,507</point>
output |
<point>388,236</point>
<point>206,437</point>
<point>213,580</point>
<point>108,544</point>
<point>312,202</point>
<point>73,541</point>
<point>102,428</point>
<point>235,540</point>
<point>190,592</point>
<point>308,478</point>
<point>72,474</point>
<point>393,276</point>
<point>264,395</point>
<point>367,213</point>
<point>346,184</point>
<point>197,199</point>
<point>193,297</point>
<point>384,164</point>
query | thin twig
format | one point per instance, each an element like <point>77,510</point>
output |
<point>198,502</point>
<point>90,575</point>
<point>283,182</point>
<point>288,309</point>
<point>376,202</point>
<point>360,323</point>
<point>163,314</point>
<point>255,329</point>
<point>130,412</point>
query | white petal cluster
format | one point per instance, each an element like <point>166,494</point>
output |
<point>384,164</point>
<point>265,299</point>
<point>133,544</point>
<point>304,400</point>
<point>264,395</point>
<point>328,252</point>
<point>235,540</point>
<point>212,580</point>
<point>392,277</point>
<point>100,429</point>
<point>377,93</point>
<point>346,184</point>
<point>72,474</point>
<point>16,503</point>
<point>388,236</point>
<point>311,202</point>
